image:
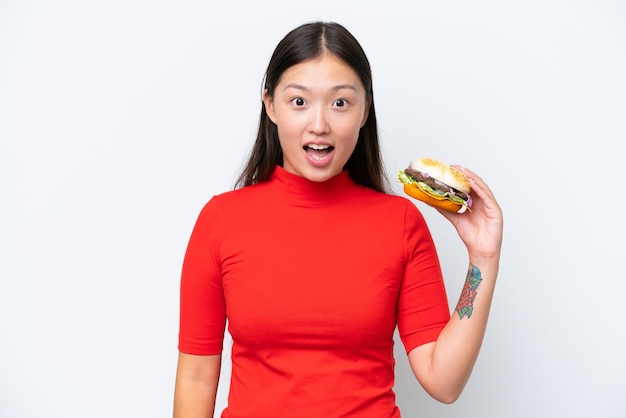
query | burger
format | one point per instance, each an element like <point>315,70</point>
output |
<point>437,184</point>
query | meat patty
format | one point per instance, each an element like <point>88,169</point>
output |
<point>434,183</point>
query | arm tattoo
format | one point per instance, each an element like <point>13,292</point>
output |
<point>465,307</point>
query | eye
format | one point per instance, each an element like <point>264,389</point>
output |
<point>298,101</point>
<point>340,103</point>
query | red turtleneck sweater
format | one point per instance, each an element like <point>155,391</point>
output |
<point>313,279</point>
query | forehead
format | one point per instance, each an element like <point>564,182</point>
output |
<point>320,71</point>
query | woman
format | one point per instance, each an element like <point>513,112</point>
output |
<point>314,265</point>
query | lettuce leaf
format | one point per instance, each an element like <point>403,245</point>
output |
<point>429,190</point>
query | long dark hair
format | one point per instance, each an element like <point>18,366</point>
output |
<point>303,43</point>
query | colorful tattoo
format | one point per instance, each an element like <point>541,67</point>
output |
<point>465,307</point>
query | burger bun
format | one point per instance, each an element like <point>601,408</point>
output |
<point>443,172</point>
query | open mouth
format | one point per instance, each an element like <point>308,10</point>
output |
<point>318,151</point>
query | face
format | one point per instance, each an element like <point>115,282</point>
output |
<point>319,107</point>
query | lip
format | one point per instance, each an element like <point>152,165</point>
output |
<point>317,143</point>
<point>315,159</point>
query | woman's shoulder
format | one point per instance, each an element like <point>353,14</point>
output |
<point>243,201</point>
<point>390,199</point>
<point>401,202</point>
<point>237,197</point>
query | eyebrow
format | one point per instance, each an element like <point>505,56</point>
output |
<point>334,88</point>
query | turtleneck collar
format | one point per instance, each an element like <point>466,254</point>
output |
<point>302,191</point>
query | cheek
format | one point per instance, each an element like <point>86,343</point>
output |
<point>349,131</point>
<point>287,136</point>
<point>290,126</point>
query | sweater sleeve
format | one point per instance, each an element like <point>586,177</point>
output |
<point>422,304</point>
<point>202,306</point>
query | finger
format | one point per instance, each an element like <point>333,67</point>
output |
<point>477,184</point>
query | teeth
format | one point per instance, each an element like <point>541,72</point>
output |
<point>318,146</point>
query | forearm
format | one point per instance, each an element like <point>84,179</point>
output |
<point>444,367</point>
<point>197,378</point>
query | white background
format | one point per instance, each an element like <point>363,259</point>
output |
<point>119,119</point>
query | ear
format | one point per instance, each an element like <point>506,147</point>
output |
<point>268,102</point>
<point>365,114</point>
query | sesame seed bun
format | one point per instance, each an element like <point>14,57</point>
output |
<point>443,172</point>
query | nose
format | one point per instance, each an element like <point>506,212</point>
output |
<point>318,120</point>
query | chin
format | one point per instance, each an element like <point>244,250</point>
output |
<point>312,173</point>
